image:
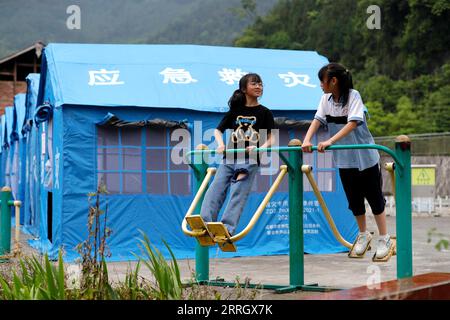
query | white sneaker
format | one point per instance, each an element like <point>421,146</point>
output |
<point>383,247</point>
<point>362,242</point>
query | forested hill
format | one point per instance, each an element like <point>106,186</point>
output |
<point>402,69</point>
<point>213,22</point>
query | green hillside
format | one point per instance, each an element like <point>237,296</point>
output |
<point>402,69</point>
<point>214,22</point>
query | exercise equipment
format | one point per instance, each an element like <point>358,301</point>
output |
<point>402,157</point>
<point>219,234</point>
<point>6,203</point>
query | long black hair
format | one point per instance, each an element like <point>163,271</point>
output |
<point>344,77</point>
<point>238,98</point>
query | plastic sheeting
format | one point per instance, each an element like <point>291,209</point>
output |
<point>3,153</point>
<point>20,110</point>
<point>111,120</point>
<point>191,77</point>
<point>19,160</point>
<point>180,84</point>
<point>30,131</point>
<point>8,145</point>
<point>43,113</point>
<point>160,216</point>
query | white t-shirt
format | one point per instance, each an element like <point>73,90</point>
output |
<point>335,116</point>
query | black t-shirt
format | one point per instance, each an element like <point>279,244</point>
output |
<point>251,127</point>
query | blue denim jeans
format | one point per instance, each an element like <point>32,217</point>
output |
<point>226,178</point>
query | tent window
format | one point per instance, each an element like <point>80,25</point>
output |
<point>324,173</point>
<point>132,159</point>
<point>107,136</point>
<point>135,160</point>
<point>164,154</point>
<point>156,159</point>
<point>108,159</point>
<point>156,137</point>
<point>111,181</point>
<point>131,136</point>
<point>132,183</point>
<point>157,183</point>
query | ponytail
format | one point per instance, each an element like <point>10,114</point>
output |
<point>237,99</point>
<point>342,74</point>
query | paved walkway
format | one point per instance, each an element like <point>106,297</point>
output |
<point>328,270</point>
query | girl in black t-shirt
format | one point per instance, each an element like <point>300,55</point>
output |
<point>251,124</point>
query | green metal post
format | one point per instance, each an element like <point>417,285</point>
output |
<point>5,221</point>
<point>201,253</point>
<point>403,207</point>
<point>296,261</point>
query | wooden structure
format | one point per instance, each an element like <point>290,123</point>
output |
<point>13,71</point>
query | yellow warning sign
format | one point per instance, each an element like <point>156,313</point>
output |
<point>423,176</point>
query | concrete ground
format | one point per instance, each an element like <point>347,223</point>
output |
<point>327,270</point>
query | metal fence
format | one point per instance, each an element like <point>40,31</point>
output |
<point>422,144</point>
<point>432,148</point>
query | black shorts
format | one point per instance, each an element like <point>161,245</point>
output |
<point>363,184</point>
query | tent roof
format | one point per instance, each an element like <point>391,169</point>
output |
<point>178,76</point>
<point>32,92</point>
<point>2,131</point>
<point>9,121</point>
<point>20,110</point>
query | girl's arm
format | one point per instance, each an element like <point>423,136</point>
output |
<point>339,135</point>
<point>218,135</point>
<point>306,145</point>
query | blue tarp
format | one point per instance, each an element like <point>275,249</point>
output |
<point>18,183</point>
<point>20,110</point>
<point>179,83</point>
<point>30,131</point>
<point>31,100</point>
<point>1,132</point>
<point>9,144</point>
<point>2,154</point>
<point>11,135</point>
<point>179,76</point>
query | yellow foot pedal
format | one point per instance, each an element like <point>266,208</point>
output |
<point>198,225</point>
<point>221,236</point>
<point>392,251</point>
<point>352,253</point>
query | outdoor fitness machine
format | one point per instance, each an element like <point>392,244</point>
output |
<point>293,167</point>
<point>307,170</point>
<point>6,203</point>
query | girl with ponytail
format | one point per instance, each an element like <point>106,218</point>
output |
<point>251,124</point>
<point>342,111</point>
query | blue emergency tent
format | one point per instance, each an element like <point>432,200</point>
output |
<point>9,145</point>
<point>19,159</point>
<point>2,153</point>
<point>30,134</point>
<point>116,115</point>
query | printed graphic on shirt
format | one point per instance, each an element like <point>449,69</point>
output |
<point>245,131</point>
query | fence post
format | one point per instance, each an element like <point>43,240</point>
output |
<point>201,253</point>
<point>5,221</point>
<point>403,207</point>
<point>296,250</point>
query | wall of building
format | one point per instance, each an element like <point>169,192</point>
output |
<point>7,93</point>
